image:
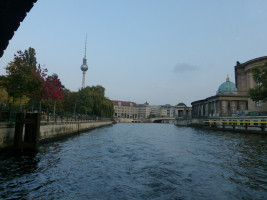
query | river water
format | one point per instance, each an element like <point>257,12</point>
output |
<point>141,161</point>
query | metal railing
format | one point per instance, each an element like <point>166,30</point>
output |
<point>238,124</point>
<point>8,115</point>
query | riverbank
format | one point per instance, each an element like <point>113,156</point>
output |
<point>50,130</point>
<point>248,124</point>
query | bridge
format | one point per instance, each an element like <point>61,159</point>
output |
<point>161,120</point>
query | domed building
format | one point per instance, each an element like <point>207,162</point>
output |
<point>226,102</point>
<point>232,99</point>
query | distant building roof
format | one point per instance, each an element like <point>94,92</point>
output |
<point>181,104</point>
<point>147,104</point>
<point>124,103</point>
<point>255,60</point>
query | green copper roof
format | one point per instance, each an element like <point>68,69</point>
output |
<point>227,87</point>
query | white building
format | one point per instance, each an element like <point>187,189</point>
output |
<point>125,109</point>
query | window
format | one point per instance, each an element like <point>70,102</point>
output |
<point>258,103</point>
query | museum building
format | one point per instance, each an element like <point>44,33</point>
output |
<point>233,99</point>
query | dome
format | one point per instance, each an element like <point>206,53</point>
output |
<point>181,104</point>
<point>227,87</point>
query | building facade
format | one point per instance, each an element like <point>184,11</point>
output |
<point>225,103</point>
<point>144,110</point>
<point>244,81</point>
<point>170,110</point>
<point>182,111</point>
<point>233,99</point>
<point>155,111</point>
<point>125,109</point>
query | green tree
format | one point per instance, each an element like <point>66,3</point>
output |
<point>92,101</point>
<point>20,76</point>
<point>69,103</point>
<point>85,101</point>
<point>3,96</point>
<point>259,93</point>
<point>30,57</point>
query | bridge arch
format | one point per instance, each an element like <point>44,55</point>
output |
<point>162,120</point>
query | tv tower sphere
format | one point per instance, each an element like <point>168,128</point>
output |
<point>84,66</point>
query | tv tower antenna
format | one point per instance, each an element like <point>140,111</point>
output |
<point>85,46</point>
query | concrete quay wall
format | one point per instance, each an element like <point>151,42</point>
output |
<point>248,124</point>
<point>50,130</point>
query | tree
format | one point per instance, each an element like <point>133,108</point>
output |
<point>259,93</point>
<point>30,58</point>
<point>3,96</point>
<point>69,103</point>
<point>92,101</point>
<point>53,89</point>
<point>21,79</point>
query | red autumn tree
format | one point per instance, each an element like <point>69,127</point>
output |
<point>53,90</point>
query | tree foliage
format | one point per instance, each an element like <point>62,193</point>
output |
<point>3,95</point>
<point>90,101</point>
<point>20,79</point>
<point>69,102</point>
<point>259,93</point>
<point>53,88</point>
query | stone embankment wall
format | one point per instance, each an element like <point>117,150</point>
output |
<point>189,122</point>
<point>256,124</point>
<point>50,130</point>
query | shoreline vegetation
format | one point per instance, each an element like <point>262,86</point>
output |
<point>27,85</point>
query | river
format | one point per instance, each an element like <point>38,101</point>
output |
<point>141,161</point>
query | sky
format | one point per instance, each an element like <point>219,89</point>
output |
<point>159,51</point>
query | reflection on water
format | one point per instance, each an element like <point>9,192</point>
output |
<point>141,161</point>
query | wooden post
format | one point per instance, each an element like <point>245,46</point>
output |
<point>262,126</point>
<point>32,131</point>
<point>246,124</point>
<point>215,124</point>
<point>17,145</point>
<point>47,115</point>
<point>234,124</point>
<point>30,141</point>
<point>223,124</point>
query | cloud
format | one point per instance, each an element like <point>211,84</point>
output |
<point>184,68</point>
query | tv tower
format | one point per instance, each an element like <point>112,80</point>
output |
<point>84,66</point>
